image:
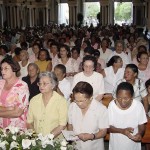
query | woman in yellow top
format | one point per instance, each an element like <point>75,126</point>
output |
<point>48,110</point>
<point>44,61</point>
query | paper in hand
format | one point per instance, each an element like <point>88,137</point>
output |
<point>69,135</point>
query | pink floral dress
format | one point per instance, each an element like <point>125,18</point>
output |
<point>17,96</point>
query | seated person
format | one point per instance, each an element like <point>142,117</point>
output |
<point>64,86</point>
<point>32,79</point>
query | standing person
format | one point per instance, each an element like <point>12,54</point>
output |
<point>13,95</point>
<point>127,120</point>
<point>89,75</point>
<point>48,110</point>
<point>82,111</point>
<point>32,79</point>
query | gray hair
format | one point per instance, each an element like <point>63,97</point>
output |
<point>119,42</point>
<point>34,65</point>
<point>51,75</point>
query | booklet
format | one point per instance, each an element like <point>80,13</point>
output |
<point>69,135</point>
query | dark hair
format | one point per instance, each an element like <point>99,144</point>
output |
<point>75,48</point>
<point>24,45</point>
<point>54,44</point>
<point>143,47</point>
<point>61,67</point>
<point>96,52</point>
<point>147,83</point>
<point>36,44</point>
<point>17,51</point>
<point>140,54</point>
<point>89,50</point>
<point>113,60</point>
<point>87,42</point>
<point>92,58</point>
<point>67,49</point>
<point>5,48</point>
<point>125,86</point>
<point>14,65</point>
<point>47,54</point>
<point>133,67</point>
<point>83,88</point>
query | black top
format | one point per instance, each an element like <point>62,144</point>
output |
<point>33,88</point>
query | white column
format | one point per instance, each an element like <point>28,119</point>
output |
<point>18,16</point>
<point>11,17</point>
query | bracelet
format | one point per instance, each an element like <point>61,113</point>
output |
<point>93,136</point>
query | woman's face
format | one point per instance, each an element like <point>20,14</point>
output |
<point>144,59</point>
<point>81,100</point>
<point>129,74</point>
<point>119,63</point>
<point>7,71</point>
<point>42,56</point>
<point>124,99</point>
<point>75,54</point>
<point>36,49</point>
<point>59,74</point>
<point>24,56</point>
<point>88,67</point>
<point>32,71</point>
<point>63,52</point>
<point>119,48</point>
<point>45,85</point>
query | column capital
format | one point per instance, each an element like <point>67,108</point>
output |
<point>104,2</point>
<point>72,2</point>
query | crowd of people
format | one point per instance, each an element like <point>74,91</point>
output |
<point>55,77</point>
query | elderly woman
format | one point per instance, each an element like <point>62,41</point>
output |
<point>87,118</point>
<point>47,110</point>
<point>140,92</point>
<point>89,75</point>
<point>13,95</point>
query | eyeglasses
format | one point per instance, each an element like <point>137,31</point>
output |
<point>42,84</point>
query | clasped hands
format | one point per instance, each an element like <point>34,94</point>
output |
<point>128,132</point>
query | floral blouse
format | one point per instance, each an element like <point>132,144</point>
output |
<point>17,96</point>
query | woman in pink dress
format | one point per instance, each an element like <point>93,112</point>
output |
<point>13,95</point>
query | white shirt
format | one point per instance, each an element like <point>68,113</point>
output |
<point>23,70</point>
<point>105,55</point>
<point>65,88</point>
<point>96,80</point>
<point>111,78</point>
<point>95,118</point>
<point>124,57</point>
<point>132,117</point>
